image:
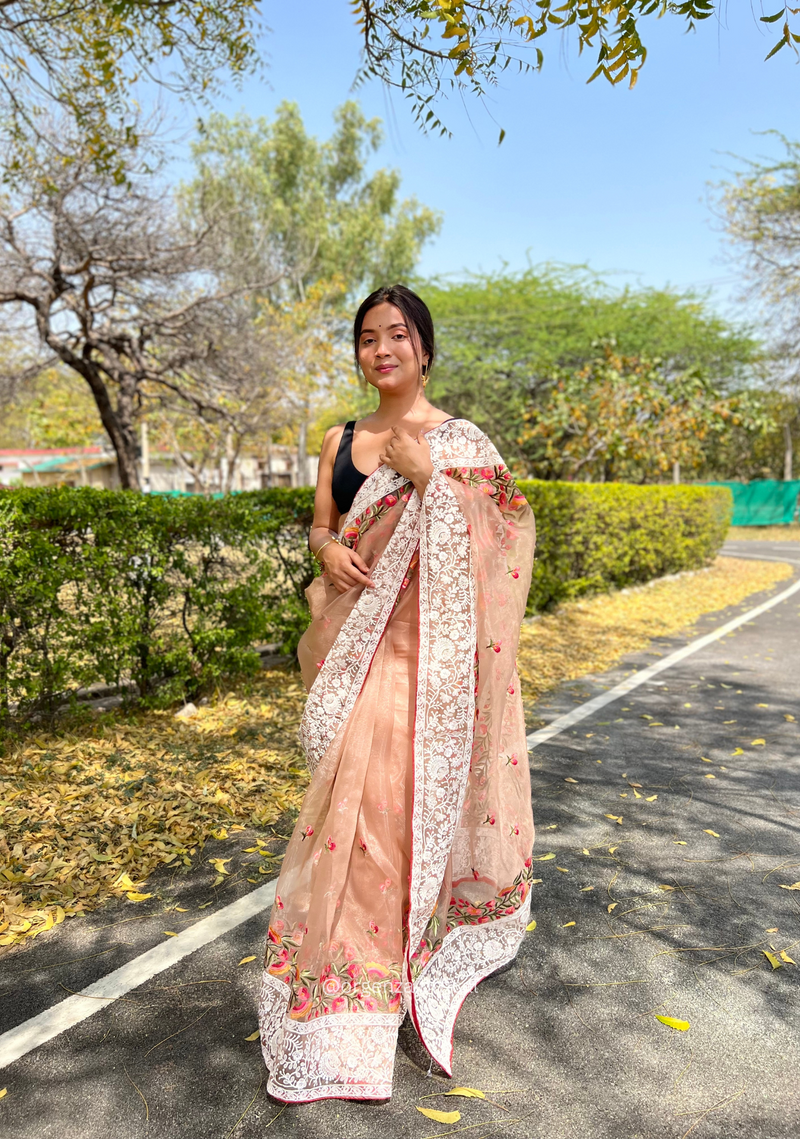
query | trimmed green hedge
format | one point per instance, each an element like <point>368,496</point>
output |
<point>591,537</point>
<point>173,593</point>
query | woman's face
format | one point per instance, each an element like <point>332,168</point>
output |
<point>386,350</point>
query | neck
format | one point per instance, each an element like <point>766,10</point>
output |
<point>401,407</point>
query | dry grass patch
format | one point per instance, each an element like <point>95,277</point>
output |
<point>90,809</point>
<point>765,533</point>
<point>592,635</point>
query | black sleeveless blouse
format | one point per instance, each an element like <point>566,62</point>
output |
<point>348,479</point>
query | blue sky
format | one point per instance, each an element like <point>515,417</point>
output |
<point>614,178</point>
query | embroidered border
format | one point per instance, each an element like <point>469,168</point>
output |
<point>339,681</point>
<point>467,955</point>
<point>338,1056</point>
<point>445,696</point>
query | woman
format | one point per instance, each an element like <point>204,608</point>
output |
<point>407,878</point>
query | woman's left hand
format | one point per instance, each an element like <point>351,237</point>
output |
<point>410,456</point>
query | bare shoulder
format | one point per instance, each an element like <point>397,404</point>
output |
<point>332,438</point>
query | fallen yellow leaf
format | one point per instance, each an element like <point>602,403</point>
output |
<point>544,857</point>
<point>703,758</point>
<point>440,1116</point>
<point>467,1093</point>
<point>133,896</point>
<point>253,1036</point>
<point>678,842</point>
<point>757,743</point>
<point>585,851</point>
<point>651,798</point>
<point>611,907</point>
<point>3,1092</point>
<point>617,818</point>
<point>671,1022</point>
<point>203,906</point>
<point>585,888</point>
<point>219,865</point>
<point>170,933</point>
<point>795,886</point>
<point>709,776</point>
<point>246,960</point>
<point>563,869</point>
<point>739,751</point>
<point>567,780</point>
<point>666,887</point>
<point>567,924</point>
<point>712,833</point>
<point>218,880</point>
<point>786,716</point>
<point>762,705</point>
<point>785,957</point>
<point>530,926</point>
<point>181,909</point>
<point>773,960</point>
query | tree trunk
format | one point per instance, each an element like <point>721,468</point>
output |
<point>302,452</point>
<point>676,472</point>
<point>119,427</point>
<point>787,452</point>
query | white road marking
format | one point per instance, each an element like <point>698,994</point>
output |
<point>53,1021</point>
<point>561,723</point>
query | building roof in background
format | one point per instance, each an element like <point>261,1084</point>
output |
<point>68,463</point>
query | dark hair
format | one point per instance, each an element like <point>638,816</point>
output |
<point>415,313</point>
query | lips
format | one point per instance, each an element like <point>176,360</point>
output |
<point>385,368</point>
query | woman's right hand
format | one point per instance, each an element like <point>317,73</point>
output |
<point>345,568</point>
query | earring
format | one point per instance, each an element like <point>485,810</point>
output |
<point>424,375</point>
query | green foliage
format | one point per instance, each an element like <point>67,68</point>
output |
<point>84,62</point>
<point>310,207</point>
<point>172,593</point>
<point>592,537</point>
<point>502,337</point>
<point>428,48</point>
<point>623,418</point>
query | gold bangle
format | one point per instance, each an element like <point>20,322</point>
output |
<point>322,547</point>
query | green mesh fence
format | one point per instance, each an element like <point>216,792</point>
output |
<point>765,502</point>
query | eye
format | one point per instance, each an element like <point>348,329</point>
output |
<point>399,336</point>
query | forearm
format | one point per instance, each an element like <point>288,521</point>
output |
<point>421,479</point>
<point>318,536</point>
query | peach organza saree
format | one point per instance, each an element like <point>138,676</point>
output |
<point>407,878</point>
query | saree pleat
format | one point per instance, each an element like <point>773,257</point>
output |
<point>407,877</point>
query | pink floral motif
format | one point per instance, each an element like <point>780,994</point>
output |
<point>512,759</point>
<point>373,929</point>
<point>382,807</point>
<point>490,819</point>
<point>390,500</point>
<point>331,845</point>
<point>511,690</point>
<point>278,901</point>
<point>514,829</point>
<point>496,645</point>
<point>307,833</point>
<point>385,885</point>
<point>514,572</point>
<point>363,846</point>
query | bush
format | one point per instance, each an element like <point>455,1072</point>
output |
<point>594,536</point>
<point>173,593</point>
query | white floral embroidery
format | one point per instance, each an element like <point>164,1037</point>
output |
<point>445,695</point>
<point>344,1055</point>
<point>467,955</point>
<point>339,681</point>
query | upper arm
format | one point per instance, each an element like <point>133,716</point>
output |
<point>326,512</point>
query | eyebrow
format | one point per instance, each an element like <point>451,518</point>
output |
<point>400,324</point>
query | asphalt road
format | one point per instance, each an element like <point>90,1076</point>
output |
<point>566,1039</point>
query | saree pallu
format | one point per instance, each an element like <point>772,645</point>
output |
<point>407,877</point>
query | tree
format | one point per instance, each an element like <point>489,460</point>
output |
<point>761,212</point>
<point>109,283</point>
<point>310,210</point>
<point>622,418</point>
<point>502,337</point>
<point>308,207</point>
<point>426,48</point>
<point>80,62</point>
<point>54,408</point>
